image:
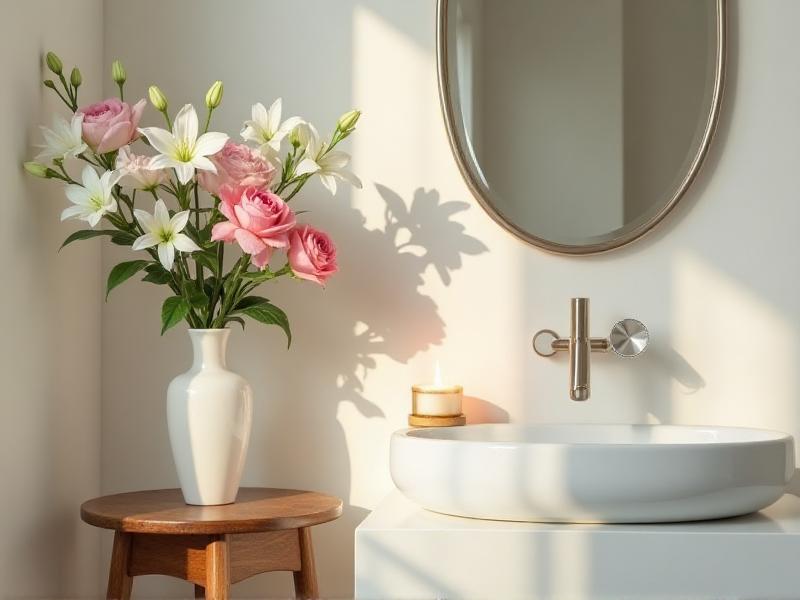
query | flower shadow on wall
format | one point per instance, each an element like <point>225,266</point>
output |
<point>396,320</point>
<point>428,222</point>
<point>373,308</point>
<point>383,312</point>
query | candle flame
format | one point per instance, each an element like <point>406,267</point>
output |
<point>437,375</point>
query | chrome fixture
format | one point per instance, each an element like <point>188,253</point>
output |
<point>628,338</point>
<point>513,110</point>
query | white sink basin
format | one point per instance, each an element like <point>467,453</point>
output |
<point>592,473</point>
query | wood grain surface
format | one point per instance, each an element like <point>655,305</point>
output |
<point>255,510</point>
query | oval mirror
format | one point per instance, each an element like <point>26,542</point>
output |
<point>579,124</point>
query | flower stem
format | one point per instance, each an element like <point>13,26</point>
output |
<point>231,289</point>
<point>73,104</point>
<point>183,269</point>
<point>217,282</point>
<point>208,120</point>
<point>64,100</point>
<point>83,156</point>
<point>199,274</point>
<point>166,118</point>
<point>251,286</point>
<point>301,182</point>
<point>67,178</point>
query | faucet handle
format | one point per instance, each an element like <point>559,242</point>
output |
<point>545,343</point>
<point>629,338</point>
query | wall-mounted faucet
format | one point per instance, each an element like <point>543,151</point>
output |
<point>628,338</point>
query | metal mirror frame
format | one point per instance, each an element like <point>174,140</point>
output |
<point>615,239</point>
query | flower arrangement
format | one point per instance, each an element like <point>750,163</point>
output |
<point>206,191</point>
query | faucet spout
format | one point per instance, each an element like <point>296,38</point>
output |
<point>579,349</point>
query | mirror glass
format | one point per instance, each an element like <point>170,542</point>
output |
<point>580,123</point>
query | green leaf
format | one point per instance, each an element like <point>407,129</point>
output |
<point>190,229</point>
<point>173,311</point>
<point>122,272</point>
<point>85,234</point>
<point>258,276</point>
<point>238,320</point>
<point>214,218</point>
<point>198,300</point>
<point>271,315</point>
<point>122,238</point>
<point>248,302</point>
<point>208,260</point>
<point>157,278</point>
<point>157,274</point>
<point>208,286</point>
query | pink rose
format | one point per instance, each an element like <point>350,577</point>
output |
<point>110,124</point>
<point>238,167</point>
<point>312,254</point>
<point>258,220</point>
<point>137,172</point>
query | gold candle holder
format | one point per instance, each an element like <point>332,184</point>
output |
<point>436,405</point>
<point>436,400</point>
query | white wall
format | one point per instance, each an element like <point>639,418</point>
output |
<point>717,283</point>
<point>50,355</point>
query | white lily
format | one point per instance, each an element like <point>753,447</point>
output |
<point>165,232</point>
<point>266,130</point>
<point>63,140</point>
<point>93,199</point>
<point>329,165</point>
<point>181,149</point>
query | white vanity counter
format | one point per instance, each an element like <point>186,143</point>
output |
<point>404,551</point>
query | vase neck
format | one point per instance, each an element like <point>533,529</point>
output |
<point>209,346</point>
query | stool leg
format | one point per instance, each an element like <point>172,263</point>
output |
<point>305,580</point>
<point>119,582</point>
<point>199,591</point>
<point>218,569</point>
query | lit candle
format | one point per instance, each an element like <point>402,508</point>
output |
<point>436,399</point>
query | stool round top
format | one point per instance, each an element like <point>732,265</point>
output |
<point>255,509</point>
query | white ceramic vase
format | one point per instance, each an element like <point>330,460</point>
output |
<point>209,414</point>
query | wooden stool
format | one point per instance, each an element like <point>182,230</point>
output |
<point>211,546</point>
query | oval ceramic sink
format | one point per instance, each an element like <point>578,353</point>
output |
<point>592,473</point>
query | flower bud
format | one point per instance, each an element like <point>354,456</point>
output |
<point>37,169</point>
<point>348,120</point>
<point>157,98</point>
<point>214,95</point>
<point>296,136</point>
<point>118,73</point>
<point>75,77</point>
<point>53,63</point>
<point>49,84</point>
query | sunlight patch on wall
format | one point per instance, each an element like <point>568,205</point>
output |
<point>386,65</point>
<point>416,256</point>
<point>743,347</point>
